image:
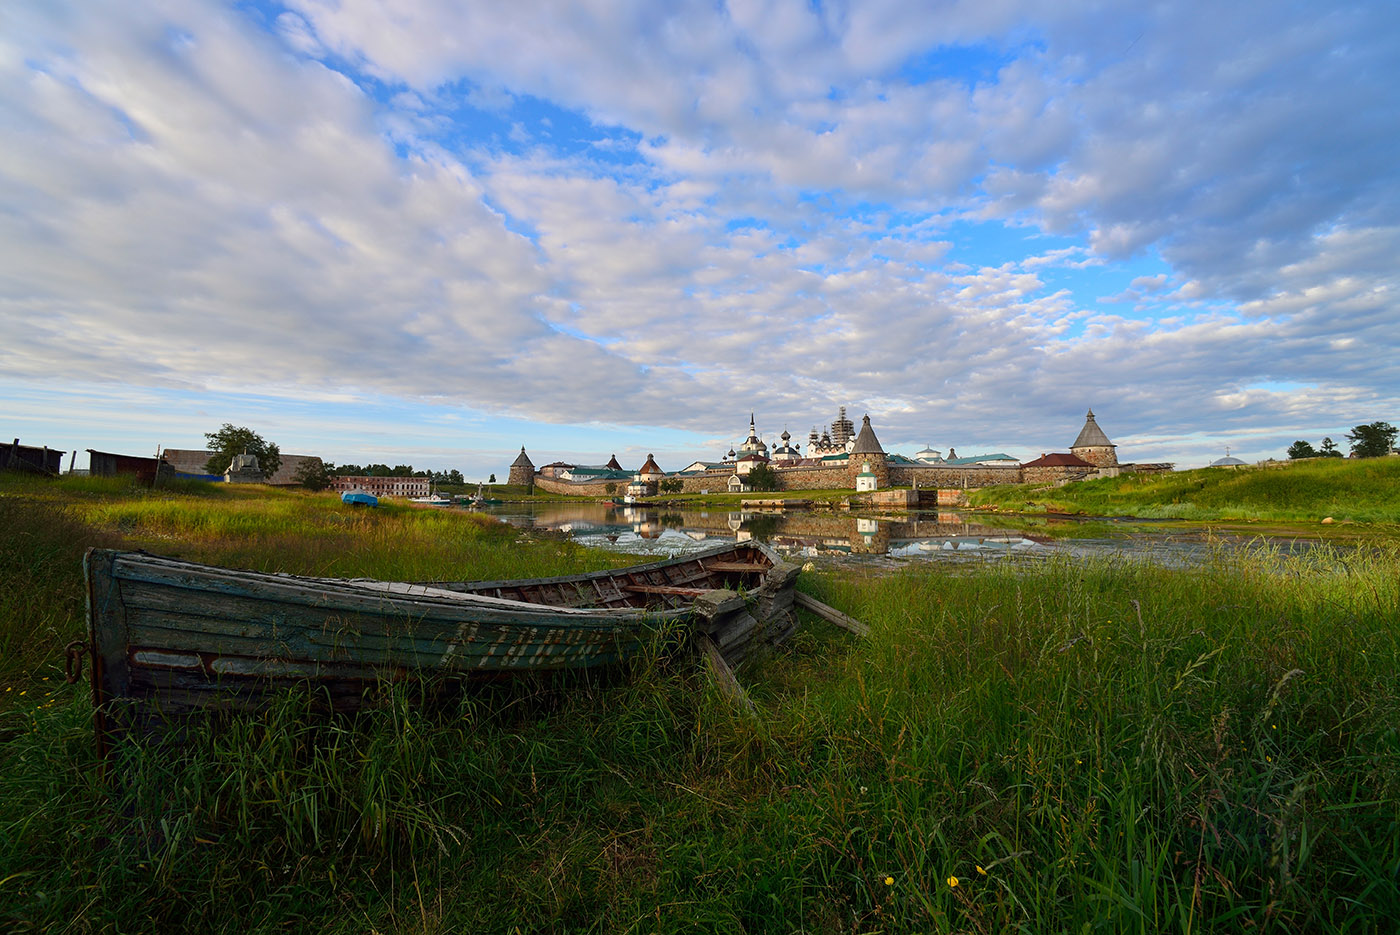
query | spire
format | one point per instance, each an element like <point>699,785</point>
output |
<point>866,442</point>
<point>1091,436</point>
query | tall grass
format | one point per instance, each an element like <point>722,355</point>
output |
<point>1366,491</point>
<point>1118,747</point>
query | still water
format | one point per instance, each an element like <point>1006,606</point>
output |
<point>919,536</point>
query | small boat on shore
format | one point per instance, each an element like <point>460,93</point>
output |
<point>168,636</point>
<point>359,498</point>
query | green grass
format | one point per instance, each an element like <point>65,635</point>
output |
<point>1120,747</point>
<point>1361,491</point>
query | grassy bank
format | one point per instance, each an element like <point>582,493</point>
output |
<point>1102,746</point>
<point>1361,491</point>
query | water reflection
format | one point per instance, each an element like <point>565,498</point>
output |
<point>930,536</point>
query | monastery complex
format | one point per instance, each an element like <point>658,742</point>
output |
<point>841,457</point>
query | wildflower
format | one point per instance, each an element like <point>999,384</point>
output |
<point>980,870</point>
<point>1268,759</point>
<point>889,881</point>
<point>862,790</point>
<point>1274,726</point>
<point>952,882</point>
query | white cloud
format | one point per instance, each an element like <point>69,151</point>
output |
<point>189,200</point>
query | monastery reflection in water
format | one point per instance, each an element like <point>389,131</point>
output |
<point>658,530</point>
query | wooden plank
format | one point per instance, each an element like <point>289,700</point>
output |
<point>107,639</point>
<point>737,566</point>
<point>829,613</point>
<point>663,589</point>
<point>724,676</point>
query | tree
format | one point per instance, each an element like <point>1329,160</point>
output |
<point>1301,449</point>
<point>235,440</point>
<point>762,477</point>
<point>1372,441</point>
<point>671,485</point>
<point>1329,449</point>
<point>313,474</point>
<point>492,480</point>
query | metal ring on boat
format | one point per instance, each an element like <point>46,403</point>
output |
<point>73,660</point>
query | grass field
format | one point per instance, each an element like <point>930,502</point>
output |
<point>1361,491</point>
<point>1087,747</point>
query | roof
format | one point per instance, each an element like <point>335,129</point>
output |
<point>193,461</point>
<point>978,459</point>
<point>598,473</point>
<point>1058,459</point>
<point>612,463</point>
<point>1091,436</point>
<point>650,466</point>
<point>866,442</point>
<point>522,460</point>
<point>1227,462</point>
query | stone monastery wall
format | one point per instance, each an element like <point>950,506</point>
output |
<point>953,475</point>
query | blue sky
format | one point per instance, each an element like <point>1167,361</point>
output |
<point>435,236</point>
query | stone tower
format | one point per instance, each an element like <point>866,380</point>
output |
<point>867,451</point>
<point>522,472</point>
<point>1093,445</point>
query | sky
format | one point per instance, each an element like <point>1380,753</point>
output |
<point>433,231</point>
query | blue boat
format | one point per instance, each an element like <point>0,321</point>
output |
<point>356,498</point>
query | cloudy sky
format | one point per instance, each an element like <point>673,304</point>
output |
<point>431,231</point>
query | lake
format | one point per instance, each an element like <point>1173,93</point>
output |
<point>833,534</point>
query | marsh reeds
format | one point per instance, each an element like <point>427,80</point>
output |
<point>1102,746</point>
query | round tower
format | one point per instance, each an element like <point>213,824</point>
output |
<point>867,453</point>
<point>522,472</point>
<point>1093,445</point>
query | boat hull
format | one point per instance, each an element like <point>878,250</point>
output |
<point>169,636</point>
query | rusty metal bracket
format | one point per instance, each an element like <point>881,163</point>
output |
<point>73,655</point>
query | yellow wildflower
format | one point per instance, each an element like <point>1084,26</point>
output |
<point>889,881</point>
<point>980,870</point>
<point>952,881</point>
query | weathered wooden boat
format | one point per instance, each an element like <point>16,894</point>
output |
<point>167,636</point>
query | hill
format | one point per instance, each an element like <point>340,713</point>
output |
<point>1364,491</point>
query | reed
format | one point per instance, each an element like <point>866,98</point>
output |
<point>1117,746</point>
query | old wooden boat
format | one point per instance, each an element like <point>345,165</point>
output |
<point>167,636</point>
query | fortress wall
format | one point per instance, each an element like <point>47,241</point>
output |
<point>952,475</point>
<point>1057,475</point>
<point>599,489</point>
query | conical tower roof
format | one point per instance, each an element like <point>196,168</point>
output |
<point>1091,436</point>
<point>866,442</point>
<point>612,463</point>
<point>651,467</point>
<point>522,460</point>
